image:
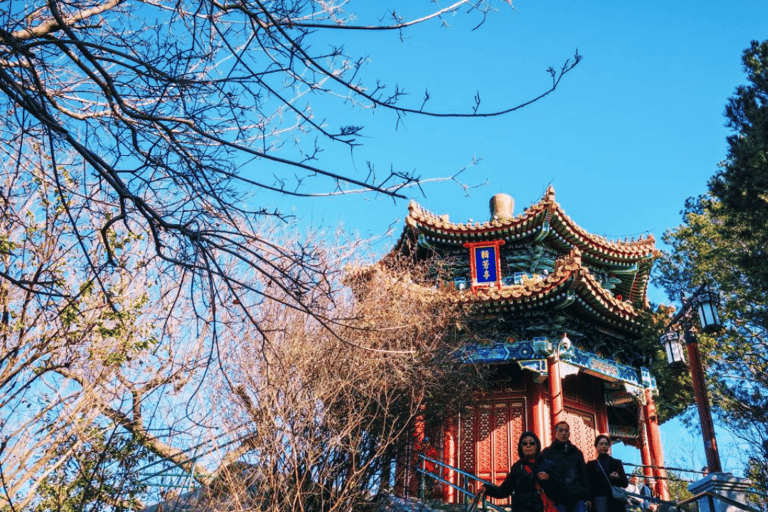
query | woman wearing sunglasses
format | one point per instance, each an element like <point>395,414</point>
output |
<point>522,482</point>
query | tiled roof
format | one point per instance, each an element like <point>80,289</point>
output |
<point>545,218</point>
<point>544,222</point>
<point>570,283</point>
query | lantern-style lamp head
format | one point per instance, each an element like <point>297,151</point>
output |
<point>706,304</point>
<point>671,343</point>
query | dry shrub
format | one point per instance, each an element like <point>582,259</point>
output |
<point>328,403</point>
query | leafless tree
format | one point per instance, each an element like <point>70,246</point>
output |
<point>140,282</point>
<point>105,401</point>
<point>82,371</point>
<point>179,111</point>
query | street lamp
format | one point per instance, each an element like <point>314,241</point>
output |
<point>673,346</point>
<point>705,303</point>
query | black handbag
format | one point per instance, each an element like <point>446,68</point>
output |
<point>617,492</point>
<point>620,494</point>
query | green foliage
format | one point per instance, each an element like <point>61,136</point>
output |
<point>100,468</point>
<point>757,468</point>
<point>678,487</point>
<point>6,245</point>
<point>742,183</point>
<point>722,242</point>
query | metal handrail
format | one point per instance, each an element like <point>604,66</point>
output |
<point>467,492</point>
<point>466,478</point>
<point>711,496</point>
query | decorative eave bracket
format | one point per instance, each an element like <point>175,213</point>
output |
<point>532,355</point>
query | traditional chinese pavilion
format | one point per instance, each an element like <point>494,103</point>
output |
<point>535,277</point>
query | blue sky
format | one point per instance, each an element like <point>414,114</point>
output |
<point>631,133</point>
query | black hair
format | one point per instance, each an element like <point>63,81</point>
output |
<point>520,443</point>
<point>602,436</point>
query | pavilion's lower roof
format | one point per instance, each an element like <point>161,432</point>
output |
<point>570,285</point>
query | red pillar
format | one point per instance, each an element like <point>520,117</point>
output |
<point>557,414</point>
<point>450,458</point>
<point>418,448</point>
<point>538,399</point>
<point>654,444</point>
<point>645,452</point>
<point>601,408</point>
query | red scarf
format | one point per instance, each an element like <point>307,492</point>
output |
<point>549,505</point>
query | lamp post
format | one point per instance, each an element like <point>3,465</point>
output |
<point>705,302</point>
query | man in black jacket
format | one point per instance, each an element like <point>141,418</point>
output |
<point>564,464</point>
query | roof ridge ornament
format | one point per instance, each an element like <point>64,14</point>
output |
<point>549,195</point>
<point>502,207</point>
<point>573,260</point>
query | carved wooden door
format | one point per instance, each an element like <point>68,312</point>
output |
<point>583,431</point>
<point>489,438</point>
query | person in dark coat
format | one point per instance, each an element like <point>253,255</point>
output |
<point>565,468</point>
<point>604,472</point>
<point>521,481</point>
